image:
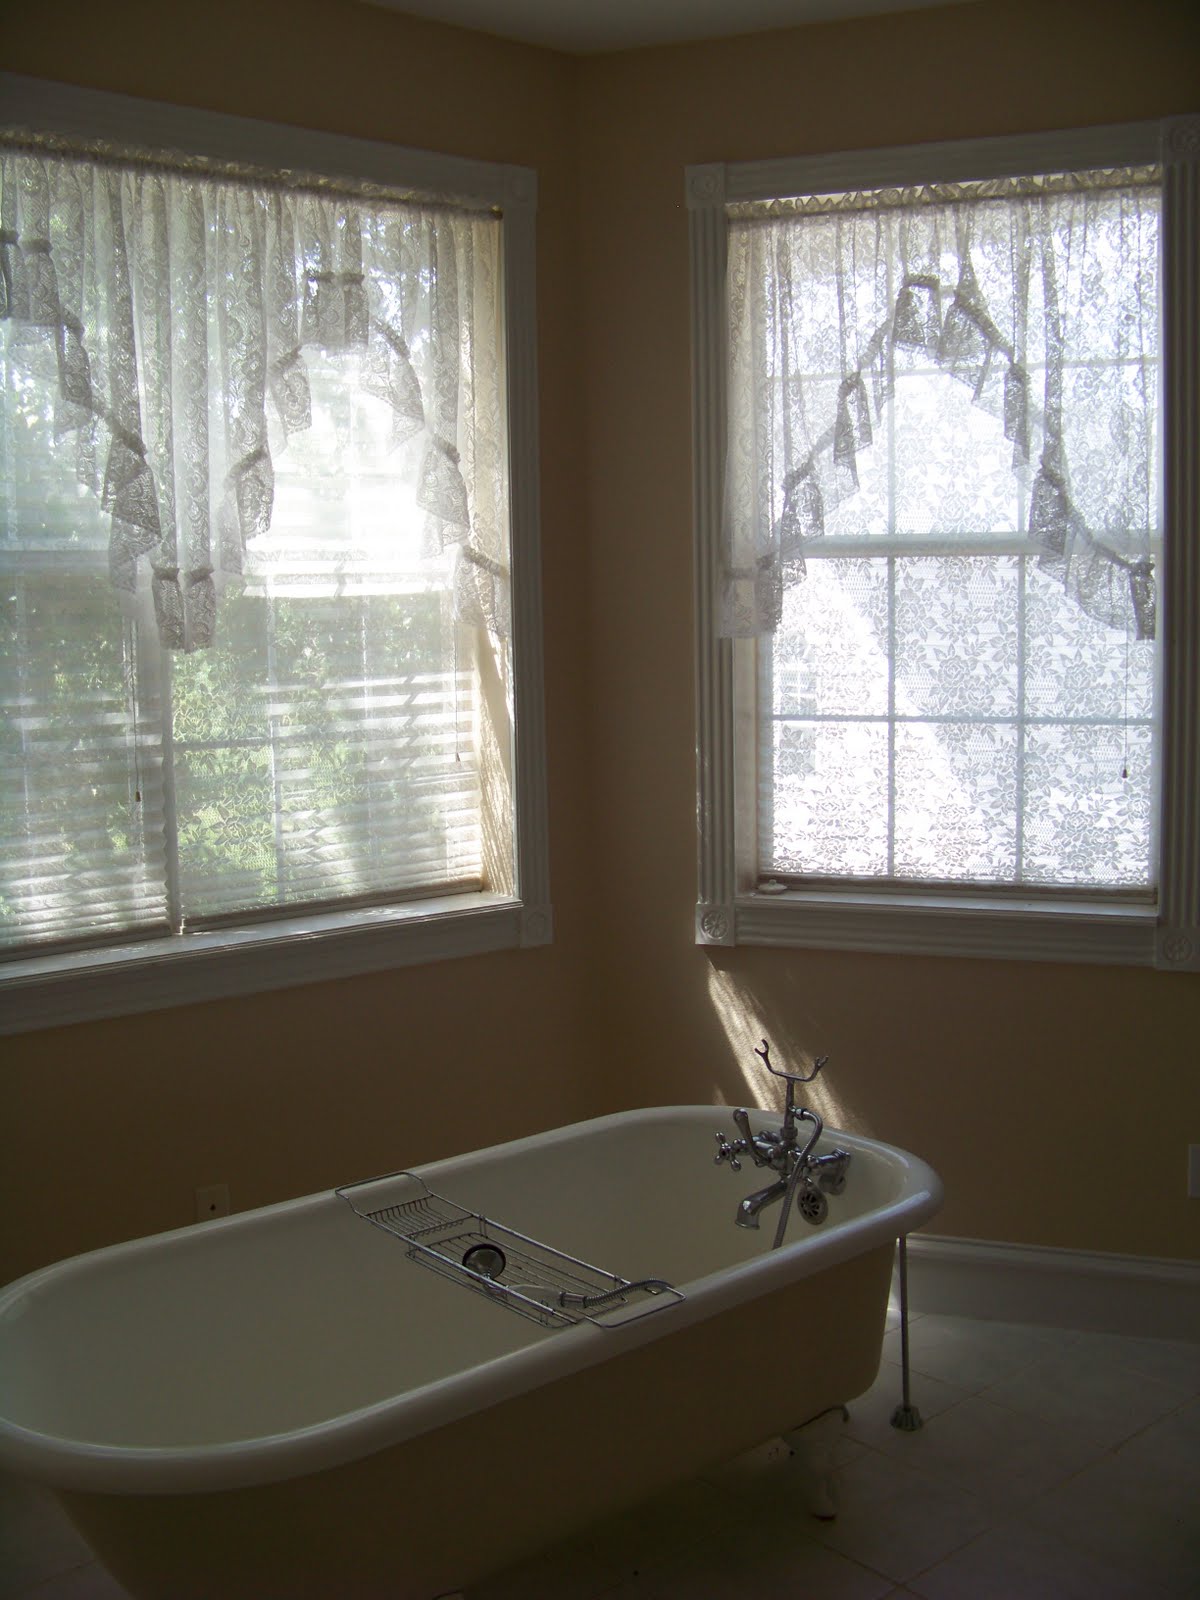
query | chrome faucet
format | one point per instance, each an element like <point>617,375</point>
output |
<point>802,1177</point>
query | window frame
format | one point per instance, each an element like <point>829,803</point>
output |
<point>961,921</point>
<point>145,974</point>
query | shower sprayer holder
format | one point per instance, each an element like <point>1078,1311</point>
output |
<point>790,1113</point>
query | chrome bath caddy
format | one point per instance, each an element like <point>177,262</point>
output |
<point>525,1275</point>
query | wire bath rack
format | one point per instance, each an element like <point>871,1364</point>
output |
<point>523,1274</point>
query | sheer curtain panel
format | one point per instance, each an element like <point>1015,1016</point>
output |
<point>255,545</point>
<point>1037,297</point>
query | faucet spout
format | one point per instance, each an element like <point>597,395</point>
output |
<point>748,1209</point>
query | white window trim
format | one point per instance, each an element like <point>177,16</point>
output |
<point>48,990</point>
<point>730,909</point>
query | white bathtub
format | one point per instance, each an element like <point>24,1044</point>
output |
<point>282,1404</point>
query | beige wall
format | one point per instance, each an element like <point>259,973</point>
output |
<point>108,1127</point>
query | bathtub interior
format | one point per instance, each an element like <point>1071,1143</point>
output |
<point>645,1199</point>
<point>238,1333</point>
<point>288,1318</point>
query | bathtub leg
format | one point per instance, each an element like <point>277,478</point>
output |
<point>816,1444</point>
<point>906,1417</point>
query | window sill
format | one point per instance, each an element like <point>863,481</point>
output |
<point>51,990</point>
<point>1019,930</point>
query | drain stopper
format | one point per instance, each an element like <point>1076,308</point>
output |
<point>488,1260</point>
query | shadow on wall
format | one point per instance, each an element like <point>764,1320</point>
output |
<point>797,1038</point>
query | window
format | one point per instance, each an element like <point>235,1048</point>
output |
<point>268,660</point>
<point>946,589</point>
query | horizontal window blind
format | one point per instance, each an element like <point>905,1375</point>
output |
<point>325,753</point>
<point>81,802</point>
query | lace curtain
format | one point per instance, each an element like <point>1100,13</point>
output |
<point>170,311</point>
<point>1037,297</point>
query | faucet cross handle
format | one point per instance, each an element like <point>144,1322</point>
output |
<point>728,1152</point>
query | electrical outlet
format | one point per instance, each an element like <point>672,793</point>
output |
<point>1194,1172</point>
<point>212,1202</point>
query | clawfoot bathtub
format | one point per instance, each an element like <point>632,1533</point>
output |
<point>288,1404</point>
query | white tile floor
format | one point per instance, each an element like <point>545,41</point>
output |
<point>1052,1466</point>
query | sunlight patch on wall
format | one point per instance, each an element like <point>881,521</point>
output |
<point>795,1046</point>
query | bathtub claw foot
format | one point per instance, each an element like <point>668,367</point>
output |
<point>821,1501</point>
<point>817,1443</point>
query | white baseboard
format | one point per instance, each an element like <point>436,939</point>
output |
<point>1086,1289</point>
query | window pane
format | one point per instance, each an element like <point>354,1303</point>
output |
<point>831,650</point>
<point>828,811</point>
<point>953,466</point>
<point>1088,805</point>
<point>80,794</point>
<point>957,636</point>
<point>1110,441</point>
<point>325,749</point>
<point>956,792</point>
<point>1078,667</point>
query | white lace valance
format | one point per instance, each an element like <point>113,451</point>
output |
<point>1040,296</point>
<point>170,311</point>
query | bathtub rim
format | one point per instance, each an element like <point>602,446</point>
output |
<point>87,1466</point>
